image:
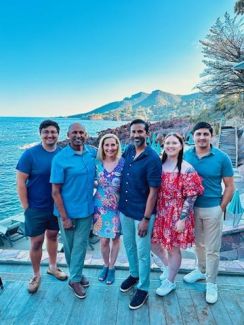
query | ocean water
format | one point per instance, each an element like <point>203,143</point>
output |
<point>16,133</point>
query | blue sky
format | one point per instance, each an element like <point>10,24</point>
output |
<point>66,57</point>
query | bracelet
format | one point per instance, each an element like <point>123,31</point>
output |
<point>146,218</point>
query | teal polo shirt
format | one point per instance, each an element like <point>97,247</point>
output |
<point>212,168</point>
<point>76,172</point>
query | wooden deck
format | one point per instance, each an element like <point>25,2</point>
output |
<point>55,303</point>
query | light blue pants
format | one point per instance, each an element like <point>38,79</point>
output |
<point>138,250</point>
<point>75,245</point>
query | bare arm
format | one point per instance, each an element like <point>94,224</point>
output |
<point>22,189</point>
<point>58,200</point>
<point>228,191</point>
<point>151,201</point>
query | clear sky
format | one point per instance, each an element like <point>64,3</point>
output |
<point>60,57</point>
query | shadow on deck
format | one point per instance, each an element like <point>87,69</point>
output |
<point>55,303</point>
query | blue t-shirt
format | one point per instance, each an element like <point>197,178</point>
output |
<point>212,168</point>
<point>76,172</point>
<point>137,176</point>
<point>36,162</point>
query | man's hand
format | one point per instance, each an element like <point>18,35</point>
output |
<point>142,228</point>
<point>67,223</point>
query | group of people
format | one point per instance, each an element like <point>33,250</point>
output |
<point>159,205</point>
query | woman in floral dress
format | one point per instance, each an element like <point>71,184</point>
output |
<point>174,223</point>
<point>106,216</point>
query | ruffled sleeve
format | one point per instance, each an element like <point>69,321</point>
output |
<point>192,183</point>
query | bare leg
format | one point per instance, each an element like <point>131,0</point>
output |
<point>36,253</point>
<point>52,247</point>
<point>158,250</point>
<point>114,251</point>
<point>174,258</point>
<point>105,250</point>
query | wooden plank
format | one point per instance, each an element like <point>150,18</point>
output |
<point>230,301</point>
<point>156,310</point>
<point>18,303</point>
<point>203,310</point>
<point>124,314</point>
<point>87,311</point>
<point>188,312</point>
<point>220,313</point>
<point>49,297</point>
<point>8,296</point>
<point>110,299</point>
<point>172,309</point>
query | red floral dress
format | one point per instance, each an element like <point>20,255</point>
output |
<point>173,194</point>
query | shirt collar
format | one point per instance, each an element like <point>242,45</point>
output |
<point>72,152</point>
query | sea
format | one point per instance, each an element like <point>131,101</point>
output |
<point>17,134</point>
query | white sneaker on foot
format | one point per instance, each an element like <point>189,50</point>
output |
<point>165,288</point>
<point>211,293</point>
<point>165,273</point>
<point>194,276</point>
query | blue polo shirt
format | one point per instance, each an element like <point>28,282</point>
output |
<point>76,172</point>
<point>137,176</point>
<point>212,168</point>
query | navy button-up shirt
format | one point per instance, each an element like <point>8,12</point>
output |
<point>137,176</point>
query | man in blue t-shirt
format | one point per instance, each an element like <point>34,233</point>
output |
<point>34,189</point>
<point>141,178</point>
<point>214,166</point>
<point>73,175</point>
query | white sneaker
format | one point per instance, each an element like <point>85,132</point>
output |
<point>194,276</point>
<point>165,288</point>
<point>165,273</point>
<point>211,293</point>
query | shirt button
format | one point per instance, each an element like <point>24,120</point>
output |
<point>128,174</point>
<point>130,165</point>
<point>126,200</point>
<point>126,182</point>
<point>126,191</point>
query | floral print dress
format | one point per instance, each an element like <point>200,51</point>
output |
<point>176,197</point>
<point>106,214</point>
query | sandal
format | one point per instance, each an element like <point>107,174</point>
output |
<point>111,276</point>
<point>103,274</point>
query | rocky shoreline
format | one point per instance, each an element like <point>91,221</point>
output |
<point>179,125</point>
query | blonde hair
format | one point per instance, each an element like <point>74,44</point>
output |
<point>100,152</point>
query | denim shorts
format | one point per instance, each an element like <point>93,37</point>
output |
<point>38,221</point>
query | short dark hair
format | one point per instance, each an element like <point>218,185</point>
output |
<point>46,123</point>
<point>202,125</point>
<point>139,121</point>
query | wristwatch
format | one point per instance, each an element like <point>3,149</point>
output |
<point>146,218</point>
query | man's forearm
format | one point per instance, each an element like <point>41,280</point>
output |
<point>59,204</point>
<point>151,202</point>
<point>227,196</point>
<point>22,192</point>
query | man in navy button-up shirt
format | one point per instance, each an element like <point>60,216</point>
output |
<point>141,178</point>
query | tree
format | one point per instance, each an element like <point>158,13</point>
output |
<point>239,7</point>
<point>222,48</point>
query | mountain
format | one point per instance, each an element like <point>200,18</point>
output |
<point>157,105</point>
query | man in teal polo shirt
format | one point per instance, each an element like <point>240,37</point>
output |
<point>214,166</point>
<point>72,178</point>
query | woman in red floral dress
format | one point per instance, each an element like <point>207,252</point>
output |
<point>174,224</point>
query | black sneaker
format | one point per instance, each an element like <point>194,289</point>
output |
<point>138,299</point>
<point>128,283</point>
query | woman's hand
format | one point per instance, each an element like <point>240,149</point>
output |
<point>180,225</point>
